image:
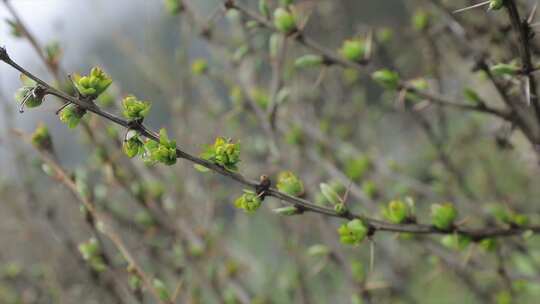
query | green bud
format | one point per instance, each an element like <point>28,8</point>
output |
<point>162,152</point>
<point>274,44</point>
<point>287,211</point>
<point>358,271</point>
<point>92,85</point>
<point>71,115</point>
<point>249,201</point>
<point>284,20</point>
<point>53,52</point>
<point>488,244</point>
<point>199,67</point>
<point>134,108</point>
<point>15,28</point>
<point>420,20</point>
<point>264,9</point>
<point>133,145</point>
<point>384,35</point>
<point>144,218</point>
<point>162,290</point>
<point>174,7</point>
<point>370,189</point>
<point>397,212</point>
<point>89,249</point>
<point>456,241</point>
<point>471,96</point>
<point>504,297</point>
<point>519,220</point>
<point>340,209</point>
<point>236,95</point>
<point>353,232</point>
<point>443,215</point>
<point>27,96</point>
<point>224,153</point>
<point>357,167</point>
<point>289,183</point>
<point>135,282</point>
<point>41,138</point>
<point>309,61</point>
<point>386,78</point>
<point>240,53</point>
<point>294,136</point>
<point>496,4</point>
<point>502,69</point>
<point>47,169</point>
<point>330,194</point>
<point>318,250</point>
<point>353,50</point>
<point>91,252</point>
<point>260,97</point>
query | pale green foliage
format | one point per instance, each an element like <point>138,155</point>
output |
<point>249,201</point>
<point>284,20</point>
<point>92,85</point>
<point>224,153</point>
<point>289,183</point>
<point>71,115</point>
<point>134,108</point>
<point>352,232</point>
<point>443,215</point>
<point>163,151</point>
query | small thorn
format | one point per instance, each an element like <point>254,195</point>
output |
<point>470,7</point>
<point>533,13</point>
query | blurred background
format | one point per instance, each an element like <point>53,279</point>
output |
<point>333,125</point>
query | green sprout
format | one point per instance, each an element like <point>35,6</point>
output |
<point>249,201</point>
<point>443,215</point>
<point>174,7</point>
<point>420,20</point>
<point>41,138</point>
<point>495,5</point>
<point>284,20</point>
<point>289,183</point>
<point>134,108</point>
<point>133,145</point>
<point>161,290</point>
<point>199,67</point>
<point>71,115</point>
<point>309,61</point>
<point>223,153</point>
<point>91,252</point>
<point>353,50</point>
<point>92,85</point>
<point>353,232</point>
<point>163,151</point>
<point>386,78</point>
<point>456,241</point>
<point>397,211</point>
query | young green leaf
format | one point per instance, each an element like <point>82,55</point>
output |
<point>353,50</point>
<point>249,201</point>
<point>284,20</point>
<point>443,215</point>
<point>353,232</point>
<point>134,108</point>
<point>71,115</point>
<point>92,85</point>
<point>289,183</point>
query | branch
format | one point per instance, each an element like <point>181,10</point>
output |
<point>373,224</point>
<point>521,27</point>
